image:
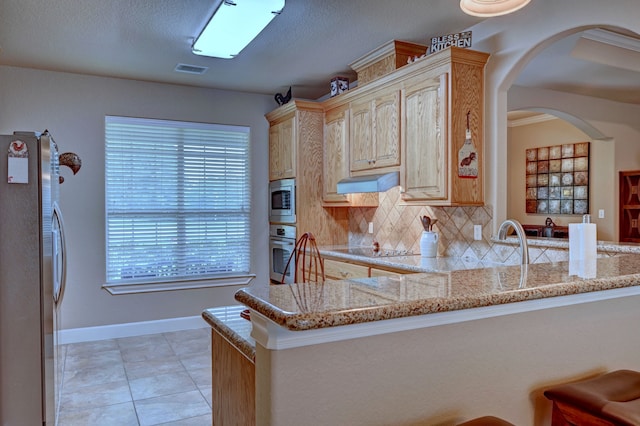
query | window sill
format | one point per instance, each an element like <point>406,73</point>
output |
<point>133,288</point>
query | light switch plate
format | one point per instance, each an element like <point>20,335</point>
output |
<point>601,214</point>
<point>477,232</point>
<point>371,227</point>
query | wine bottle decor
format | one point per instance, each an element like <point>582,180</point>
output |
<point>468,156</point>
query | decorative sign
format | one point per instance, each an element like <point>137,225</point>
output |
<point>558,179</point>
<point>18,162</point>
<point>462,39</point>
<point>468,156</point>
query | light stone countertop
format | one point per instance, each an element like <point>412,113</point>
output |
<point>236,330</point>
<point>334,303</point>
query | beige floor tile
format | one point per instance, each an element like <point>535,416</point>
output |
<point>147,352</point>
<point>163,384</point>
<point>153,367</point>
<point>93,360</point>
<point>112,415</point>
<point>74,379</point>
<point>207,393</point>
<point>140,341</point>
<point>193,421</point>
<point>201,376</point>
<point>171,408</point>
<point>189,342</point>
<point>169,374</point>
<point>95,396</point>
<point>92,347</point>
<point>196,361</point>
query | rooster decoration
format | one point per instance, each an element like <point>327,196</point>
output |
<point>281,100</point>
<point>70,160</point>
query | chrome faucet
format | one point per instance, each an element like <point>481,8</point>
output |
<point>522,238</point>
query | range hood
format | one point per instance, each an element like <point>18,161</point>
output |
<point>369,183</point>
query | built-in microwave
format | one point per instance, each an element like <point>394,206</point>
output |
<point>282,201</point>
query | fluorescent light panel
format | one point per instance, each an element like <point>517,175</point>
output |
<point>233,25</point>
<point>489,8</point>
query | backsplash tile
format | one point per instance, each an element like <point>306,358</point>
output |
<point>398,227</point>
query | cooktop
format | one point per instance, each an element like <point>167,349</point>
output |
<point>370,252</point>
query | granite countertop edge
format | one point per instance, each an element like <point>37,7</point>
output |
<point>235,330</point>
<point>299,321</point>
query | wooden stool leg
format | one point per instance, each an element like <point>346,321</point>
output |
<point>557,418</point>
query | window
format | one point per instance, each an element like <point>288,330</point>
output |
<point>178,204</point>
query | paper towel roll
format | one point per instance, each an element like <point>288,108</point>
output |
<point>582,241</point>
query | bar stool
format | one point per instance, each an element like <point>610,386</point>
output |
<point>612,399</point>
<point>486,421</point>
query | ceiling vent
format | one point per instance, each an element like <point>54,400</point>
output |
<point>191,69</point>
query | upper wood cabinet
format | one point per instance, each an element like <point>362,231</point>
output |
<point>282,148</point>
<point>442,130</point>
<point>425,167</point>
<point>336,146</point>
<point>374,134</point>
<point>414,120</point>
<point>336,162</point>
<point>296,150</point>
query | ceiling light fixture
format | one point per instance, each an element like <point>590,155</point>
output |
<point>489,8</point>
<point>233,25</point>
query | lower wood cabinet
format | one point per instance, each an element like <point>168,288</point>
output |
<point>233,384</point>
<point>336,270</point>
<point>629,206</point>
<point>339,270</point>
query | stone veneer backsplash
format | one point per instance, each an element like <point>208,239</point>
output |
<point>398,227</point>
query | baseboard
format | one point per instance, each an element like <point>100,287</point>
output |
<point>114,331</point>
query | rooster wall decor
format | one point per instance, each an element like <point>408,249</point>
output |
<point>281,100</point>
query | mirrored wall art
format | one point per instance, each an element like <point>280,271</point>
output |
<point>557,179</point>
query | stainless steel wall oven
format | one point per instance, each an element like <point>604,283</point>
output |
<point>282,241</point>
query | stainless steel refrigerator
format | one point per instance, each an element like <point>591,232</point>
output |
<point>32,279</point>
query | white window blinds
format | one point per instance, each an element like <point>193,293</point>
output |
<point>177,200</point>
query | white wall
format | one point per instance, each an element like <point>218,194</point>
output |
<point>512,40</point>
<point>73,108</point>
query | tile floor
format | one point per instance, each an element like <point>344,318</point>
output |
<point>159,379</point>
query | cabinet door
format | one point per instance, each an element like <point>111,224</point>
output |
<point>282,150</point>
<point>386,130</point>
<point>629,206</point>
<point>425,163</point>
<point>375,131</point>
<point>361,135</point>
<point>336,270</point>
<point>336,166</point>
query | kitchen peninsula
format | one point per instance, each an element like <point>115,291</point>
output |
<point>438,348</point>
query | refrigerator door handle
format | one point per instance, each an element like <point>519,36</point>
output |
<point>59,256</point>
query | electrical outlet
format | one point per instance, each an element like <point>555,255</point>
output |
<point>371,227</point>
<point>601,214</point>
<point>477,232</point>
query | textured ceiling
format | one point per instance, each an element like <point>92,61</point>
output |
<point>310,42</point>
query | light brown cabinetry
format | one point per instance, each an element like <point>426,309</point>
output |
<point>336,270</point>
<point>282,148</point>
<point>336,146</point>
<point>436,104</point>
<point>629,206</point>
<point>374,134</point>
<point>425,168</point>
<point>233,384</point>
<point>339,270</point>
<point>296,151</point>
<point>415,120</point>
<point>336,162</point>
